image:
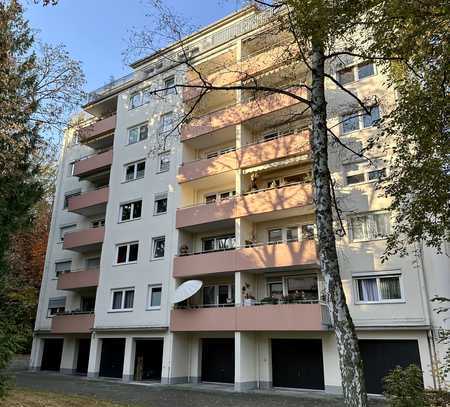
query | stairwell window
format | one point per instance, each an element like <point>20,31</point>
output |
<point>127,253</point>
<point>378,289</point>
<point>137,133</point>
<point>122,299</point>
<point>154,297</point>
<point>167,122</point>
<point>169,86</point>
<point>164,161</point>
<point>160,204</point>
<point>135,170</point>
<point>130,211</point>
<point>370,226</point>
<point>158,247</point>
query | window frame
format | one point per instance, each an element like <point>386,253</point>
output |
<point>140,93</point>
<point>132,218</point>
<point>137,126</point>
<point>359,116</point>
<point>367,214</point>
<point>150,307</point>
<point>154,240</point>
<point>364,169</point>
<point>135,170</point>
<point>284,281</point>
<point>377,276</point>
<point>123,291</point>
<point>162,125</point>
<point>171,91</point>
<point>71,226</point>
<point>127,254</point>
<point>354,67</point>
<point>158,197</point>
<point>57,274</point>
<point>68,195</point>
<point>231,291</point>
<point>160,156</point>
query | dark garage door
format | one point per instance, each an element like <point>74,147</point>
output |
<point>381,356</point>
<point>51,354</point>
<point>148,363</point>
<point>84,347</point>
<point>297,363</point>
<point>111,362</point>
<point>218,360</point>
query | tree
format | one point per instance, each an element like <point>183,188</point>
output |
<point>37,93</point>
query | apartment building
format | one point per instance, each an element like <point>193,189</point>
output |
<point>227,206</point>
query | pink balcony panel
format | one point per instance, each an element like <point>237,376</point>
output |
<point>282,256</point>
<point>282,317</point>
<point>265,60</point>
<point>84,240</point>
<point>269,200</point>
<point>90,202</point>
<point>78,279</point>
<point>203,319</point>
<point>72,323</point>
<point>95,163</point>
<point>97,129</point>
<point>248,156</point>
<point>239,113</point>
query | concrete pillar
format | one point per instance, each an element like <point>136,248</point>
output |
<point>245,353</point>
<point>94,356</point>
<point>332,372</point>
<point>36,353</point>
<point>178,370</point>
<point>69,355</point>
<point>265,363</point>
<point>129,357</point>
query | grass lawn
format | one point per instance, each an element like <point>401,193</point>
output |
<point>30,398</point>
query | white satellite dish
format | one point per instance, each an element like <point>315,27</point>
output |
<point>186,290</point>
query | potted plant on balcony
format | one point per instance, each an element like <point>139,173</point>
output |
<point>249,299</point>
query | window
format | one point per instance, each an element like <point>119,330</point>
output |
<point>346,75</point>
<point>87,304</point>
<point>65,229</point>
<point>216,153</point>
<point>226,242</point>
<point>140,98</point>
<point>297,287</point>
<point>62,267</point>
<point>166,122</point>
<point>127,253</point>
<point>275,289</point>
<point>275,235</point>
<point>154,297</point>
<point>123,299</point>
<point>360,120</point>
<point>137,133</point>
<point>210,198</point>
<point>134,171</point>
<point>308,232</point>
<point>370,226</point>
<point>93,263</point>
<point>379,289</point>
<point>71,168</point>
<point>130,211</point>
<point>69,195</point>
<point>363,171</point>
<point>169,86</point>
<point>292,234</point>
<point>365,69</point>
<point>56,305</point>
<point>218,196</point>
<point>146,95</point>
<point>221,294</point>
<point>98,223</point>
<point>160,204</point>
<point>270,136</point>
<point>158,249</point>
<point>164,161</point>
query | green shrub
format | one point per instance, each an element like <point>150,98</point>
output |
<point>404,387</point>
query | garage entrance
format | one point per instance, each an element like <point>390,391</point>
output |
<point>218,360</point>
<point>84,347</point>
<point>111,362</point>
<point>297,363</point>
<point>52,353</point>
<point>381,356</point>
<point>148,361</point>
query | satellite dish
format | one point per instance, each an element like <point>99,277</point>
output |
<point>186,290</point>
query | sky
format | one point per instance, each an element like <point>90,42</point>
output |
<point>95,32</point>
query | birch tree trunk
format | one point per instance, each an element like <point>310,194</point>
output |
<point>347,343</point>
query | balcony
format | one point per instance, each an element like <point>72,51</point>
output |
<point>97,129</point>
<point>253,203</point>
<point>262,60</point>
<point>248,156</point>
<point>239,113</point>
<point>255,318</point>
<point>260,257</point>
<point>93,164</point>
<point>78,279</point>
<point>89,203</point>
<point>84,240</point>
<point>73,323</point>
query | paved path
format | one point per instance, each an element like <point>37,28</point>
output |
<point>155,395</point>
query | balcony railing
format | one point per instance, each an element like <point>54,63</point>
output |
<point>78,279</point>
<point>256,202</point>
<point>258,256</point>
<point>75,322</point>
<point>84,240</point>
<point>280,317</point>
<point>98,128</point>
<point>89,202</point>
<point>93,163</point>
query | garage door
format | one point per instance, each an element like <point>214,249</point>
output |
<point>381,356</point>
<point>148,359</point>
<point>51,354</point>
<point>297,363</point>
<point>218,360</point>
<point>111,362</point>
